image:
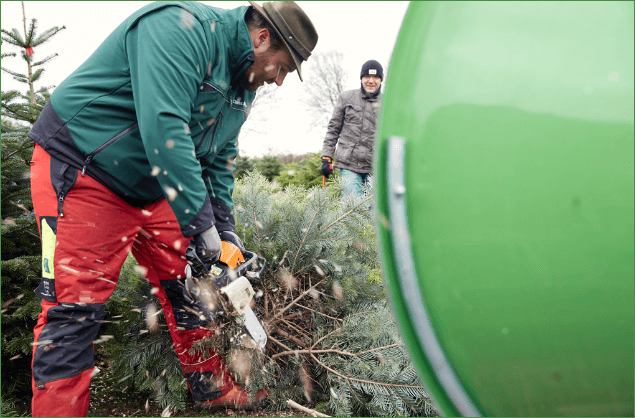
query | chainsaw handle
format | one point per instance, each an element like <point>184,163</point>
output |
<point>250,258</point>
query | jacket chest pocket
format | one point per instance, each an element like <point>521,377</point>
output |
<point>353,114</point>
<point>374,106</point>
<point>208,141</point>
<point>207,118</point>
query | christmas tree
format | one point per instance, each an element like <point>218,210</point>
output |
<point>21,250</point>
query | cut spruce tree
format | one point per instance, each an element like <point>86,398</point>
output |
<point>332,339</point>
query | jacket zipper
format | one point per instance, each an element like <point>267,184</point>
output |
<point>208,87</point>
<point>60,204</point>
<point>211,138</point>
<point>104,146</point>
<point>213,129</point>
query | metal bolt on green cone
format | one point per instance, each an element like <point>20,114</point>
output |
<point>505,204</point>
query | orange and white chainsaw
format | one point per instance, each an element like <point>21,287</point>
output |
<point>224,288</point>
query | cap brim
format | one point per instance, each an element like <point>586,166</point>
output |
<point>297,59</point>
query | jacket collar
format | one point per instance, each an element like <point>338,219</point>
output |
<point>240,49</point>
<point>370,96</point>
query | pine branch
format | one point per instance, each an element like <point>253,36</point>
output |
<point>44,37</point>
<point>343,353</point>
<point>301,245</point>
<point>319,313</point>
<point>309,351</point>
<point>294,302</point>
<point>347,213</point>
<point>311,412</point>
<point>17,151</point>
<point>289,337</point>
<point>364,255</point>
<point>390,385</point>
<point>142,348</point>
<point>13,73</point>
<point>377,349</point>
<point>296,329</point>
<point>14,38</point>
<point>279,343</point>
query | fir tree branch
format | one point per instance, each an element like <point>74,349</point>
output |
<point>294,302</point>
<point>317,240</point>
<point>346,214</point>
<point>296,329</point>
<point>318,341</point>
<point>390,385</point>
<point>311,412</point>
<point>319,313</point>
<point>359,313</point>
<point>266,304</point>
<point>279,343</point>
<point>354,392</point>
<point>378,348</point>
<point>22,147</point>
<point>256,223</point>
<point>325,295</point>
<point>160,339</point>
<point>290,337</point>
<point>295,231</point>
<point>309,351</point>
<point>364,255</point>
<point>301,244</point>
<point>344,353</point>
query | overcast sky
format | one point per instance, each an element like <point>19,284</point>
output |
<point>359,30</point>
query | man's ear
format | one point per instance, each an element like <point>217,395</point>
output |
<point>261,39</point>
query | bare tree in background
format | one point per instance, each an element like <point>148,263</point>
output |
<point>323,84</point>
<point>324,79</point>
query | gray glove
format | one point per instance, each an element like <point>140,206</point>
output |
<point>230,236</point>
<point>208,245</point>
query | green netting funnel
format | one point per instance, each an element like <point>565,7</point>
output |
<point>504,181</point>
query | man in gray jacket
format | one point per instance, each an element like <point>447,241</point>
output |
<point>352,130</point>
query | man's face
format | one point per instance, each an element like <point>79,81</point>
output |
<point>270,66</point>
<point>371,83</point>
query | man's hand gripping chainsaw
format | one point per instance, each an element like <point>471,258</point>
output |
<point>223,287</point>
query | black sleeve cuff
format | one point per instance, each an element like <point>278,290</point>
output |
<point>203,220</point>
<point>224,218</point>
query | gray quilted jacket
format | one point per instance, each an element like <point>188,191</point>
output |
<point>352,130</point>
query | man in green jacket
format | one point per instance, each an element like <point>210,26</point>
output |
<point>135,151</point>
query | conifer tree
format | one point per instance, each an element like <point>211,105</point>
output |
<point>305,173</point>
<point>21,250</point>
<point>269,166</point>
<point>243,166</point>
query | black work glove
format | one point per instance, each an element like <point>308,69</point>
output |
<point>327,166</point>
<point>202,252</point>
<point>206,246</point>
<point>230,236</point>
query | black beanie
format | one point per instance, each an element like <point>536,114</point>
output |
<point>372,67</point>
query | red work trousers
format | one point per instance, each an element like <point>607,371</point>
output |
<point>87,232</point>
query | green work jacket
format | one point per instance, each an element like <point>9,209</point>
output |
<point>156,110</point>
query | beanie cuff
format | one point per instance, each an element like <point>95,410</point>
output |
<point>372,67</point>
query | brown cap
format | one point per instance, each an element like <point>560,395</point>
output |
<point>293,26</point>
